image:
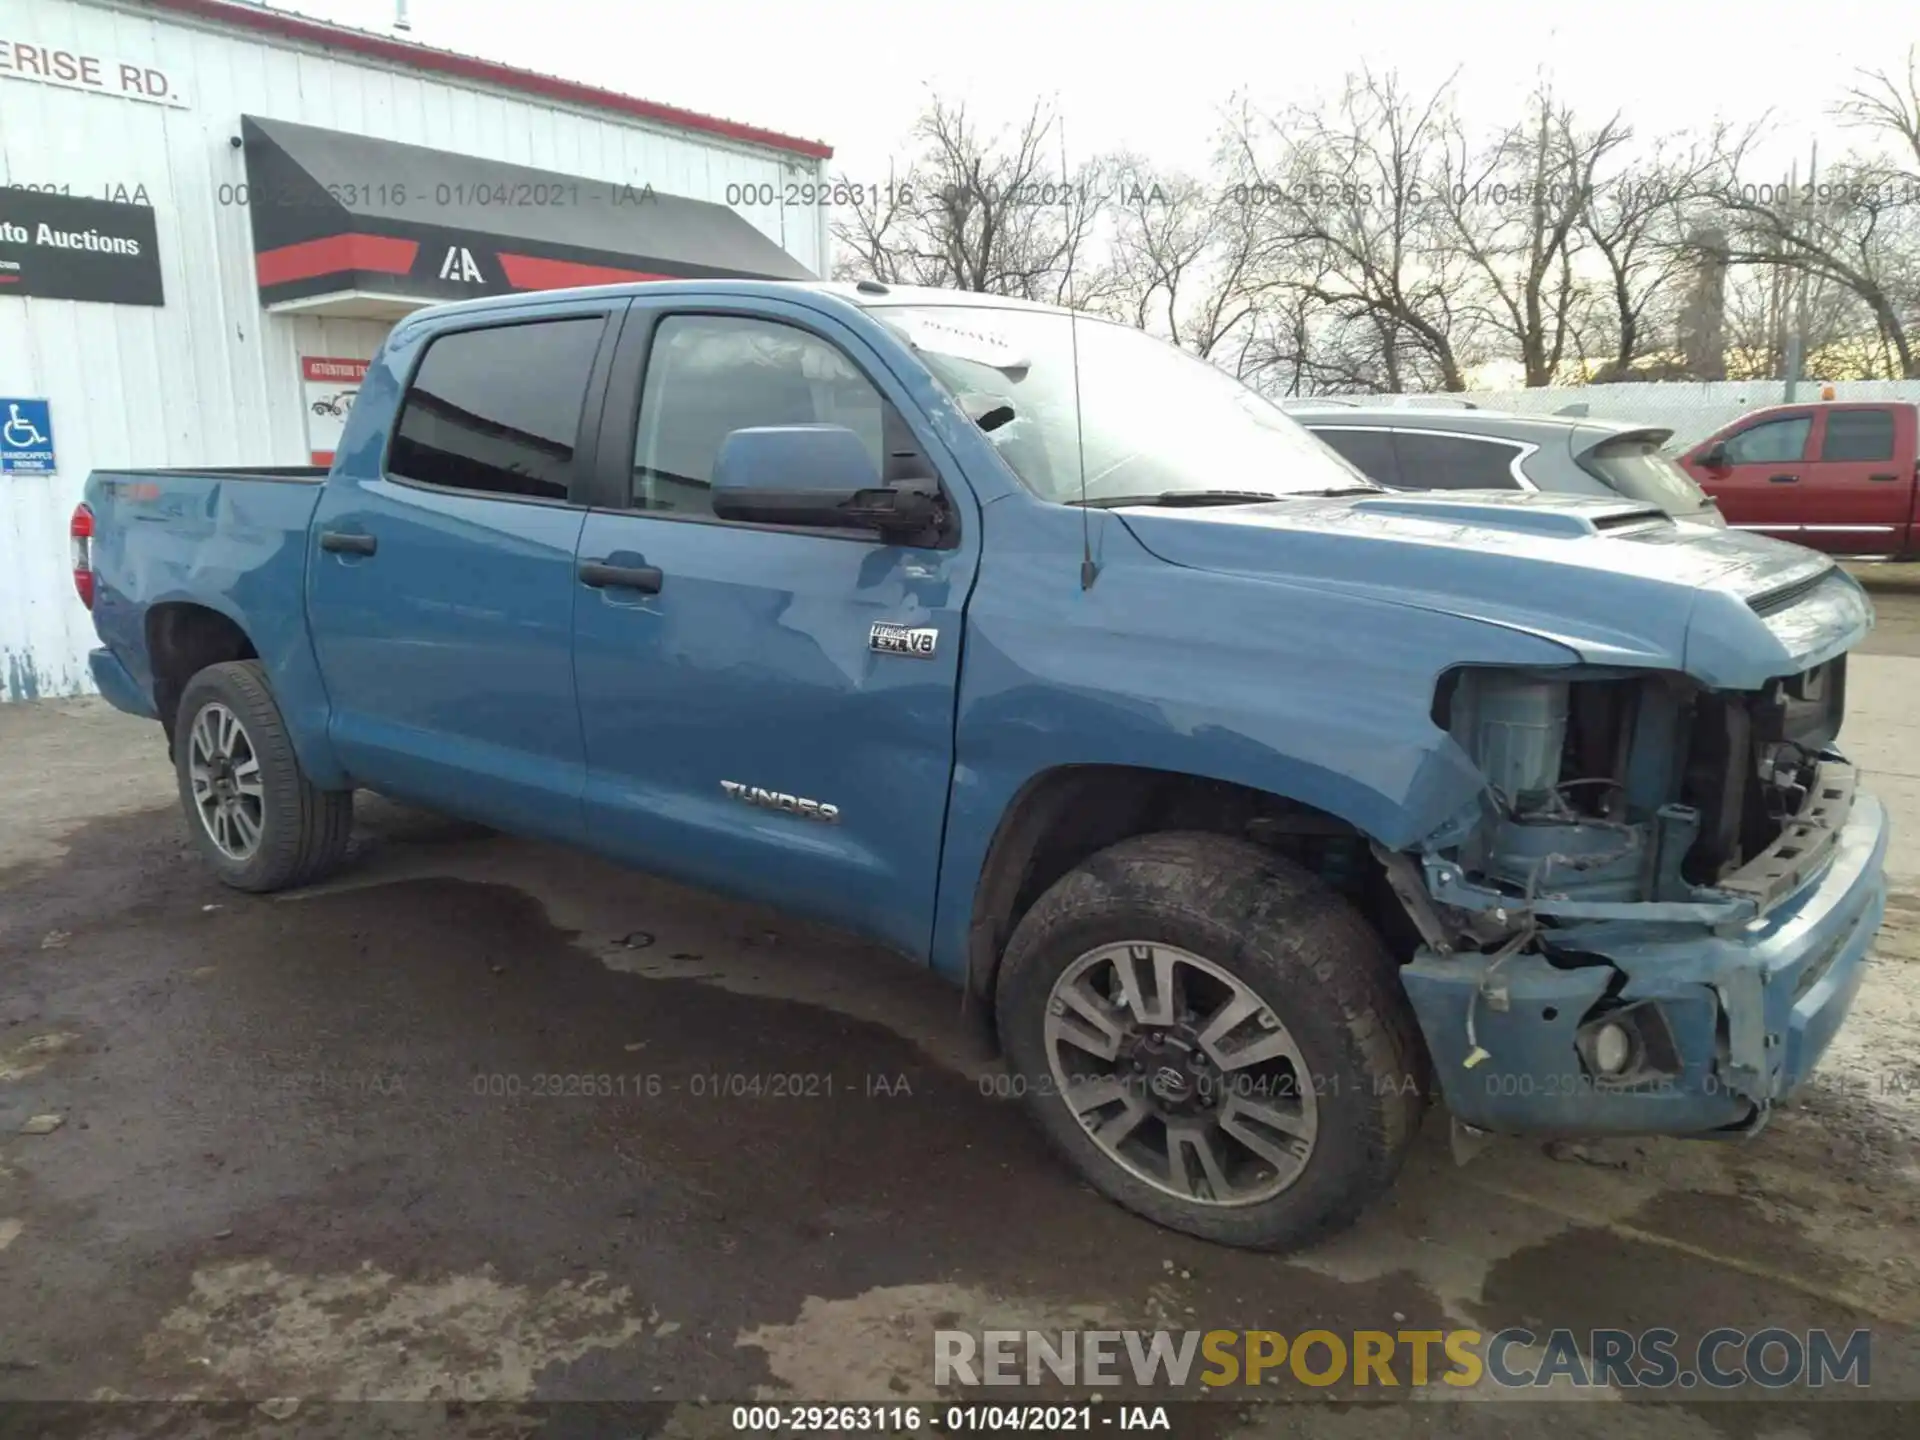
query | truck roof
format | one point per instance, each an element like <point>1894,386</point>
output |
<point>864,293</point>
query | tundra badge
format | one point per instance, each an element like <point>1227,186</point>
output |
<point>779,800</point>
<point>915,640</point>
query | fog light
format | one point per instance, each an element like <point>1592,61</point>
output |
<point>1612,1049</point>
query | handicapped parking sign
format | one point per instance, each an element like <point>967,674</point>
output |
<point>26,437</point>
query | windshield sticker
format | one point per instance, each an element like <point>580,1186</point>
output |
<point>983,347</point>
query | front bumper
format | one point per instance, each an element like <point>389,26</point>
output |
<point>1749,1014</point>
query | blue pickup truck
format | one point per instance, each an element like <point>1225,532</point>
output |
<point>1251,804</point>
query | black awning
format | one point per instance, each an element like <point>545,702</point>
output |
<point>334,212</point>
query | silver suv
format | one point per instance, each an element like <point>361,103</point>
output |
<point>1405,448</point>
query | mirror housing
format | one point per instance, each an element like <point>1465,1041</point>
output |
<point>817,476</point>
<point>1714,457</point>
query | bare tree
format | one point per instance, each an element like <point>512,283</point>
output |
<point>1641,220</point>
<point>1853,227</point>
<point>1342,194</point>
<point>1513,209</point>
<point>993,213</point>
<point>1188,260</point>
<point>1844,230</point>
<point>1889,108</point>
<point>1764,304</point>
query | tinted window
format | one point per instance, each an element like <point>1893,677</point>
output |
<point>498,410</point>
<point>1368,451</point>
<point>1770,442</point>
<point>709,375</point>
<point>1858,435</point>
<point>1454,462</point>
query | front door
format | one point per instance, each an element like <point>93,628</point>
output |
<point>1761,486</point>
<point>747,726</point>
<point>441,587</point>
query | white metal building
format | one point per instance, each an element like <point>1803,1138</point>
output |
<point>213,212</point>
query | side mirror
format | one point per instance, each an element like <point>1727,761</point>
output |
<point>1714,457</point>
<point>819,476</point>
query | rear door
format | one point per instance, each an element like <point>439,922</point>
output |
<point>743,730</point>
<point>1857,493</point>
<point>441,585</point>
<point>1761,487</point>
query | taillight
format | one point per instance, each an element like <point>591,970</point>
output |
<point>80,528</point>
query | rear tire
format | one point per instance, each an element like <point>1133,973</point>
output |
<point>257,819</point>
<point>1305,1105</point>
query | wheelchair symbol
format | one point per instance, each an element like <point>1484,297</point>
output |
<point>19,432</point>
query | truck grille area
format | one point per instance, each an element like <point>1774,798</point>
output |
<point>1651,788</point>
<point>1753,764</point>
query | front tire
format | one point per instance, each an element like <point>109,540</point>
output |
<point>256,818</point>
<point>1213,1038</point>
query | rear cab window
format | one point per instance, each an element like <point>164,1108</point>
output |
<point>1857,436</point>
<point>497,410</point>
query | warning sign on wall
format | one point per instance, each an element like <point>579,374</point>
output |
<point>332,385</point>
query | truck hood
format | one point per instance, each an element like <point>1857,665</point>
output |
<point>1617,582</point>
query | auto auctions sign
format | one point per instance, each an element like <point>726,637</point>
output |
<point>74,69</point>
<point>331,384</point>
<point>67,247</point>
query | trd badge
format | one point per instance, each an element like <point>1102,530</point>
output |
<point>914,640</point>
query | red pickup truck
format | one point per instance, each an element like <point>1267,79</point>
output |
<point>1832,476</point>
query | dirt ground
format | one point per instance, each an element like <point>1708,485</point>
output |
<point>303,1150</point>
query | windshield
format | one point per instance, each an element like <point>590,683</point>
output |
<point>1635,466</point>
<point>1154,420</point>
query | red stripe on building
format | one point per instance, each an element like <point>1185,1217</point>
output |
<point>529,272</point>
<point>335,255</point>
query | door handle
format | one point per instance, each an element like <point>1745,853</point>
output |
<point>602,576</point>
<point>342,543</point>
<point>1883,477</point>
<point>1783,479</point>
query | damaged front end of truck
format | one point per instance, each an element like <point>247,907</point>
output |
<point>1654,915</point>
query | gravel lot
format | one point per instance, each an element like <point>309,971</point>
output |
<point>303,1150</point>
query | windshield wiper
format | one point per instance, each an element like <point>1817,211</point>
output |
<point>1176,498</point>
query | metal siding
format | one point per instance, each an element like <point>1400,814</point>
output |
<point>211,379</point>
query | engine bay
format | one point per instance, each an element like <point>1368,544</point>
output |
<point>1624,787</point>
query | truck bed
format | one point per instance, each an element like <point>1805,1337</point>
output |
<point>233,540</point>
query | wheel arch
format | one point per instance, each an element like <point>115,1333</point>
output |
<point>1063,814</point>
<point>183,638</point>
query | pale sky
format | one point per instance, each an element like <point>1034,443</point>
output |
<point>1153,78</point>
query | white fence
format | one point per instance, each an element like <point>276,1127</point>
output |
<point>1691,409</point>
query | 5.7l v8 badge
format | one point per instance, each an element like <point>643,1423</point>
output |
<point>914,640</point>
